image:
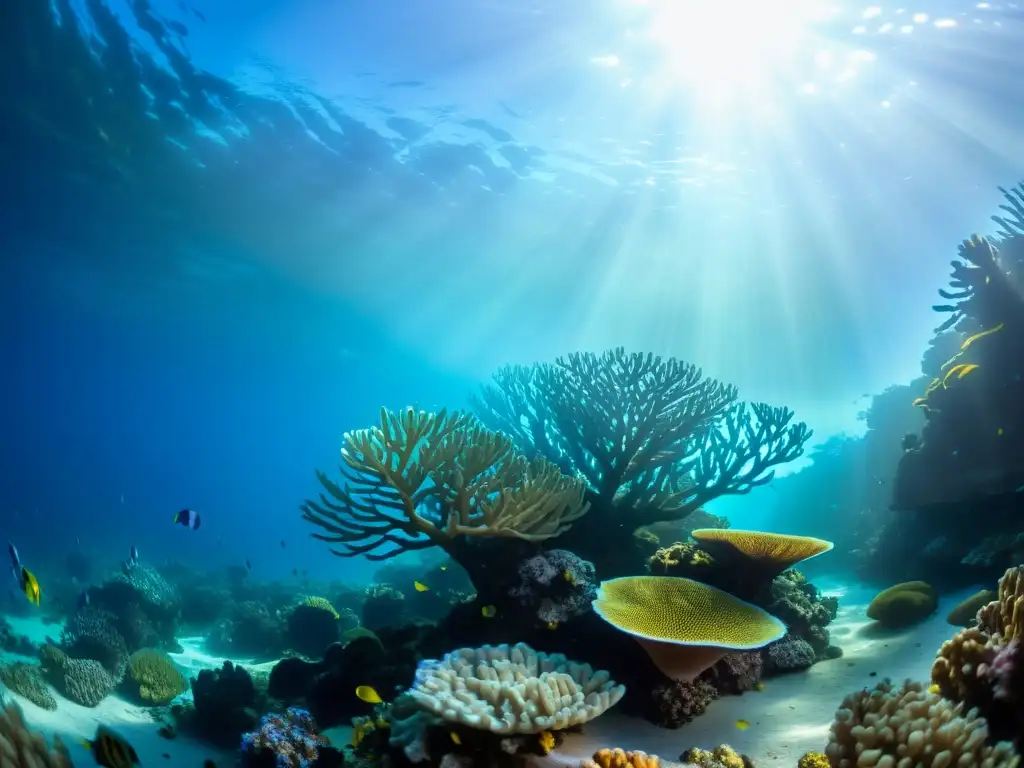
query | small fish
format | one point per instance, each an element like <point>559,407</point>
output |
<point>419,586</point>
<point>110,750</point>
<point>456,739</point>
<point>188,518</point>
<point>368,694</point>
<point>552,625</point>
<point>83,599</point>
<point>134,558</point>
<point>933,688</point>
<point>758,686</point>
<point>78,540</point>
<point>444,567</point>
<point>15,558</point>
<point>568,576</point>
<point>742,724</point>
<point>248,564</point>
<point>488,611</point>
<point>29,585</point>
<point>283,544</point>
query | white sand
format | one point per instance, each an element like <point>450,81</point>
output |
<point>790,717</point>
<point>793,713</point>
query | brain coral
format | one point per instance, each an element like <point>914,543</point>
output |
<point>684,626</point>
<point>155,677</point>
<point>512,690</point>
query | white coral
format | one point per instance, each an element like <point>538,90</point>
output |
<point>513,689</point>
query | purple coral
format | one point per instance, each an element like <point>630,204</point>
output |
<point>1006,673</point>
<point>559,583</point>
<point>291,739</point>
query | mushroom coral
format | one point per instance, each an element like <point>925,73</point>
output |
<point>764,554</point>
<point>683,625</point>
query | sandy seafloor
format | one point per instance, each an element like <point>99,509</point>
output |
<point>789,717</point>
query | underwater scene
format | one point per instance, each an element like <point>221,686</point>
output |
<point>538,384</point>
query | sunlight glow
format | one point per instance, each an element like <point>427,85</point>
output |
<point>719,45</point>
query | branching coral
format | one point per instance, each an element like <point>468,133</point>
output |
<point>421,480</point>
<point>650,436</point>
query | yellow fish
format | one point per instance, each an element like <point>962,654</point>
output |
<point>368,694</point>
<point>742,724</point>
<point>30,584</point>
<point>455,738</point>
<point>758,686</point>
<point>933,688</point>
<point>419,586</point>
<point>111,751</point>
<point>567,575</point>
<point>488,611</point>
<point>552,625</point>
<point>981,335</point>
<point>444,567</point>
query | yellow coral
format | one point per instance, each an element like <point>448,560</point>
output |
<point>770,552</point>
<point>684,626</point>
<point>546,741</point>
<point>678,559</point>
<point>813,760</point>
<point>618,758</point>
<point>157,678</point>
<point>322,604</point>
<point>722,756</point>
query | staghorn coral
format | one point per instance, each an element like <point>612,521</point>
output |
<point>653,438</point>
<point>889,726</point>
<point>618,758</point>
<point>512,690</point>
<point>423,480</point>
<point>20,747</point>
<point>27,681</point>
<point>153,678</point>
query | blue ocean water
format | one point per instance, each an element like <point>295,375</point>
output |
<point>233,232</point>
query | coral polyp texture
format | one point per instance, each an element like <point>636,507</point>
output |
<point>512,690</point>
<point>891,726</point>
<point>683,625</point>
<point>619,758</point>
<point>769,554</point>
<point>653,438</point>
<point>422,480</point>
<point>290,740</point>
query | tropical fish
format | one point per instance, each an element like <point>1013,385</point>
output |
<point>758,686</point>
<point>368,694</point>
<point>134,555</point>
<point>110,750</point>
<point>488,611</point>
<point>568,576</point>
<point>188,518</point>
<point>248,564</point>
<point>419,586</point>
<point>742,724</point>
<point>27,582</point>
<point>552,625</point>
<point>456,739</point>
<point>444,567</point>
<point>83,599</point>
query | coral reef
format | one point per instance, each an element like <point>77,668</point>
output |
<point>225,705</point>
<point>27,680</point>
<point>512,690</point>
<point>722,756</point>
<point>618,758</point>
<point>250,631</point>
<point>423,480</point>
<point>889,725</point>
<point>626,424</point>
<point>290,740</point>
<point>383,606</point>
<point>556,585</point>
<point>83,681</point>
<point>92,634</point>
<point>152,678</point>
<point>20,747</point>
<point>312,626</point>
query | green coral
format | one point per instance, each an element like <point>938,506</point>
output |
<point>153,674</point>
<point>27,681</point>
<point>321,603</point>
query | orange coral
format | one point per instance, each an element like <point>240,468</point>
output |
<point>617,758</point>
